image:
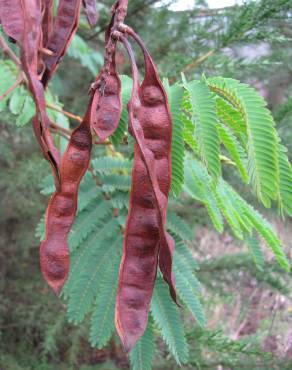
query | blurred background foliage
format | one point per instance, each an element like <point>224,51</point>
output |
<point>249,314</point>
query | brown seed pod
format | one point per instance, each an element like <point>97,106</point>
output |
<point>90,11</point>
<point>61,211</point>
<point>107,106</point>
<point>47,20</point>
<point>156,122</point>
<point>145,229</point>
<point>65,26</point>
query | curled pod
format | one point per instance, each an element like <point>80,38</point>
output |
<point>156,122</point>
<point>65,26</point>
<point>90,11</point>
<point>61,211</point>
<point>30,42</point>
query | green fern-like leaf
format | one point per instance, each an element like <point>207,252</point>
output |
<point>198,184</point>
<point>175,96</point>
<point>204,117</point>
<point>179,227</point>
<point>186,268</point>
<point>256,251</point>
<point>85,285</point>
<point>285,185</point>
<point>88,192</point>
<point>190,297</point>
<point>102,319</point>
<point>189,133</point>
<point>184,251</point>
<point>235,150</point>
<point>230,116</point>
<point>264,228</point>
<point>262,139</point>
<point>166,316</point>
<point>142,354</point>
<point>113,182</point>
<point>87,220</point>
<point>111,164</point>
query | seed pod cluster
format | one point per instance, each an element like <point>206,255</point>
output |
<point>146,240</point>
<point>43,41</point>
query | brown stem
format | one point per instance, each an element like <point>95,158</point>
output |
<point>198,61</point>
<point>60,110</point>
<point>13,87</point>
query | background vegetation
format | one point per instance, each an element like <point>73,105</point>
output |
<point>248,312</point>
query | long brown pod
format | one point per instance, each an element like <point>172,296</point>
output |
<point>61,211</point>
<point>156,121</point>
<point>29,45</point>
<point>139,263</point>
<point>65,26</point>
<point>146,219</point>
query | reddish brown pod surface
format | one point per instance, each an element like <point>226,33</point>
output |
<point>138,267</point>
<point>11,18</point>
<point>90,11</point>
<point>150,125</point>
<point>156,122</point>
<point>30,43</point>
<point>107,105</point>
<point>21,20</point>
<point>65,26</point>
<point>47,20</point>
<point>61,211</point>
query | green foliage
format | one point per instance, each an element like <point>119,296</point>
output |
<point>142,355</point>
<point>231,126</point>
<point>88,57</point>
<point>204,117</point>
<point>102,319</point>
<point>262,140</point>
<point>19,102</point>
<point>166,316</point>
<point>175,95</point>
<point>256,251</point>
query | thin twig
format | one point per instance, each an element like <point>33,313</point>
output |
<point>198,61</point>
<point>11,88</point>
<point>66,113</point>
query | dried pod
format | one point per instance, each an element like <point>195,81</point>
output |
<point>107,106</point>
<point>11,18</point>
<point>21,20</point>
<point>47,20</point>
<point>145,230</point>
<point>90,11</point>
<point>65,26</point>
<point>61,211</point>
<point>155,118</point>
